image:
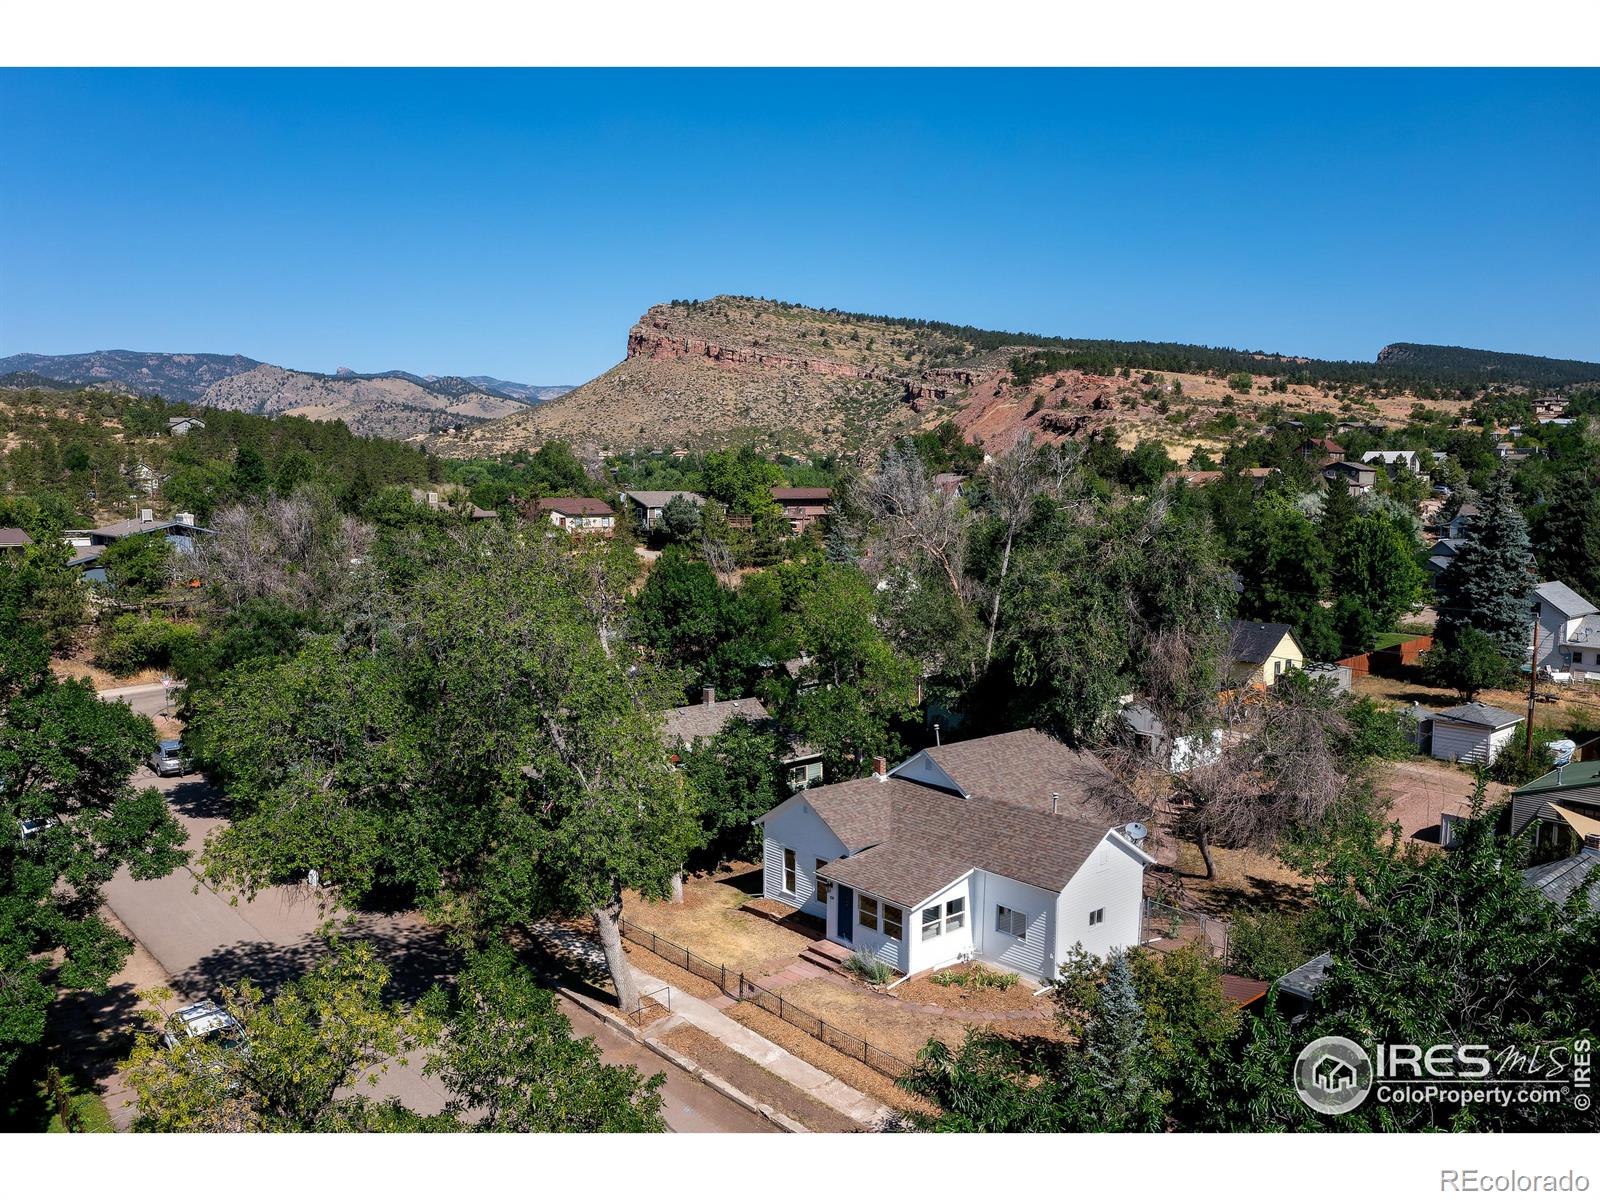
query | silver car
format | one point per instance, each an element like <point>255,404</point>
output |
<point>204,1020</point>
<point>169,758</point>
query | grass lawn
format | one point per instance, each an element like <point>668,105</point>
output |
<point>1385,640</point>
<point>870,1017</point>
<point>34,1108</point>
<point>708,923</point>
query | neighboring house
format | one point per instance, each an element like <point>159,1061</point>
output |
<point>1568,631</point>
<point>1578,875</point>
<point>14,539</point>
<point>989,849</point>
<point>448,500</point>
<point>1473,733</point>
<point>648,506</point>
<point>180,530</point>
<point>178,426</point>
<point>1261,652</point>
<point>1410,459</point>
<point>1561,807</point>
<point>950,483</point>
<point>803,507</point>
<point>578,514</point>
<point>1194,479</point>
<point>1461,523</point>
<point>1299,987</point>
<point>1442,551</point>
<point>1155,742</point>
<point>85,560</point>
<point>1360,479</point>
<point>693,723</point>
<point>1258,475</point>
<point>1321,451</point>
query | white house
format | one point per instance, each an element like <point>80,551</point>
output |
<point>1568,631</point>
<point>178,426</point>
<point>1389,458</point>
<point>1473,733</point>
<point>1460,523</point>
<point>983,849</point>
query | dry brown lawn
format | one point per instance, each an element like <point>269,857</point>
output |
<point>868,1015</point>
<point>708,923</point>
<point>1578,705</point>
<point>1244,879</point>
<point>757,1082</point>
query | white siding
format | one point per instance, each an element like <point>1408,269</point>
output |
<point>947,947</point>
<point>796,827</point>
<point>1469,743</point>
<point>1032,954</point>
<point>923,769</point>
<point>1112,878</point>
<point>871,943</point>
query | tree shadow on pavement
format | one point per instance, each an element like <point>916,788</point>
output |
<point>196,798</point>
<point>418,958</point>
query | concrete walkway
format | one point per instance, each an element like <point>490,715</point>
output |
<point>708,1017</point>
<point>790,1068</point>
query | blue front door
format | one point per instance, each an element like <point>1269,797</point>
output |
<point>846,921</point>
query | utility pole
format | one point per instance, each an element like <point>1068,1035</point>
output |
<point>1533,682</point>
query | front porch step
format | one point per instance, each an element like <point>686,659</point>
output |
<point>830,956</point>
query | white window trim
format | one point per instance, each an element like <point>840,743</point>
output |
<point>1013,917</point>
<point>791,872</point>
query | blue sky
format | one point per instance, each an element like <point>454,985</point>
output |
<point>516,223</point>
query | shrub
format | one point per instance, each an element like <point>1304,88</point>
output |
<point>1269,943</point>
<point>977,976</point>
<point>132,643</point>
<point>869,969</point>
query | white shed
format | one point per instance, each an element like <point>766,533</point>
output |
<point>1473,733</point>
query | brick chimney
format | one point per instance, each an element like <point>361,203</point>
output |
<point>1591,841</point>
<point>880,767</point>
<point>708,695</point>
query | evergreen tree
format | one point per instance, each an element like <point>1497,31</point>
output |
<point>1118,1080</point>
<point>1569,534</point>
<point>1489,582</point>
<point>249,472</point>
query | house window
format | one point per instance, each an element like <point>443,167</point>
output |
<point>804,775</point>
<point>893,922</point>
<point>866,912</point>
<point>788,872</point>
<point>1097,916</point>
<point>1277,668</point>
<point>930,923</point>
<point>955,914</point>
<point>1577,658</point>
<point>1010,921</point>
<point>822,884</point>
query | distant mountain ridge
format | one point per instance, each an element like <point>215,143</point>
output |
<point>396,404</point>
<point>790,378</point>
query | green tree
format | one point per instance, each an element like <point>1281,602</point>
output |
<point>301,1055</point>
<point>1568,533</point>
<point>1286,573</point>
<point>66,760</point>
<point>680,520</point>
<point>741,480</point>
<point>1469,662</point>
<point>734,778</point>
<point>38,586</point>
<point>138,567</point>
<point>1488,584</point>
<point>1378,581</point>
<point>250,478</point>
<point>508,1056</point>
<point>1117,1083</point>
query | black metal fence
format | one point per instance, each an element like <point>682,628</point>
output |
<point>739,987</point>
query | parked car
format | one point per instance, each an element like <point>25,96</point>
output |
<point>31,827</point>
<point>169,758</point>
<point>203,1021</point>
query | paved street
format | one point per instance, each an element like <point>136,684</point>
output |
<point>204,941</point>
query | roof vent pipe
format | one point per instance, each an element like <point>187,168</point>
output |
<point>936,740</point>
<point>1055,803</point>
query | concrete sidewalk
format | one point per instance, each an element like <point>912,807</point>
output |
<point>837,1095</point>
<point>709,1019</point>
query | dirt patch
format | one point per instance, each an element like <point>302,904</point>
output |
<point>82,668</point>
<point>1423,790</point>
<point>858,1012</point>
<point>708,922</point>
<point>825,1058</point>
<point>1244,879</point>
<point>685,981</point>
<point>757,1082</point>
<point>1019,998</point>
<point>1575,709</point>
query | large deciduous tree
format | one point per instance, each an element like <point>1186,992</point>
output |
<point>66,759</point>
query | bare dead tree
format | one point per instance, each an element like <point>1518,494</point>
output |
<point>915,521</point>
<point>1014,485</point>
<point>1279,770</point>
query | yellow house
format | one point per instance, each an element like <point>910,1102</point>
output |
<point>1262,652</point>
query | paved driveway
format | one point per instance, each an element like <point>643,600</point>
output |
<point>203,940</point>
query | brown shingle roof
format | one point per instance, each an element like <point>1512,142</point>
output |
<point>576,506</point>
<point>14,537</point>
<point>781,494</point>
<point>902,872</point>
<point>1023,768</point>
<point>707,720</point>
